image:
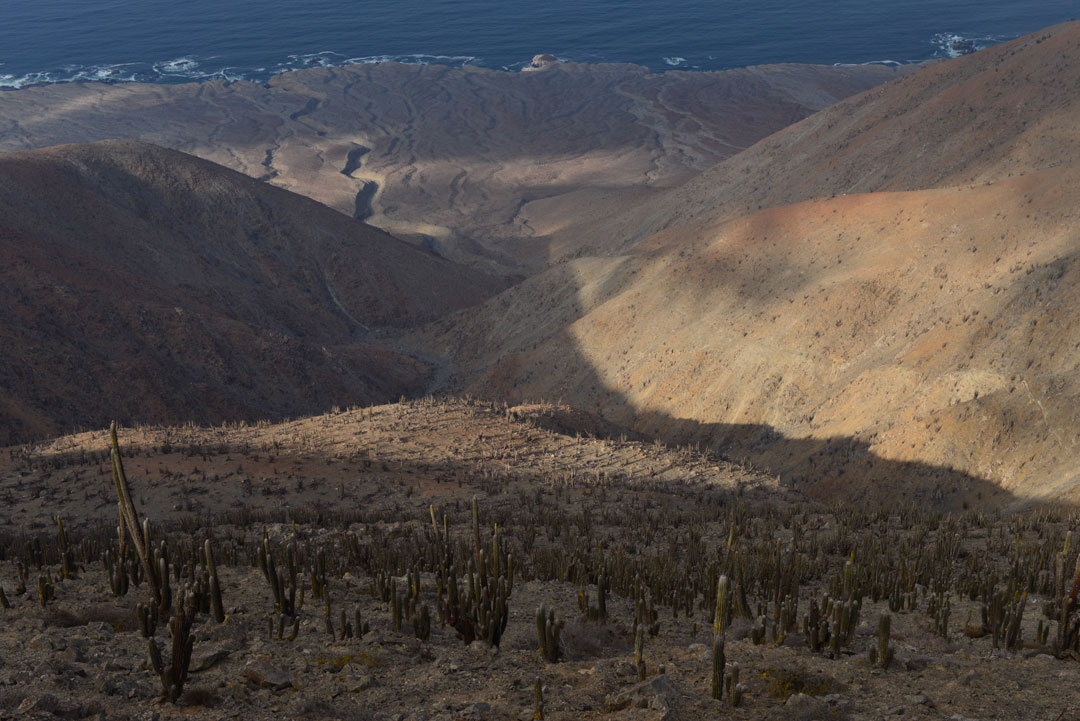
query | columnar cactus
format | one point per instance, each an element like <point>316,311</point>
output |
<point>882,655</point>
<point>548,630</point>
<point>718,663</point>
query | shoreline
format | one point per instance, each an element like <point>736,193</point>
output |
<point>9,83</point>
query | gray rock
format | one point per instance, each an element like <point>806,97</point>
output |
<point>263,675</point>
<point>917,663</point>
<point>803,707</point>
<point>360,683</point>
<point>476,712</point>
<point>74,653</point>
<point>48,704</point>
<point>111,684</point>
<point>100,631</point>
<point>658,693</point>
<point>45,703</point>
<point>207,658</point>
<point>42,642</point>
<point>543,60</point>
<point>794,640</point>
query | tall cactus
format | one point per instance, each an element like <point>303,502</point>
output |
<point>130,517</point>
<point>215,585</point>
<point>548,629</point>
<point>718,663</point>
<point>724,608</point>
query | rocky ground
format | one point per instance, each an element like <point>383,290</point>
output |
<point>372,474</point>
<point>81,657</point>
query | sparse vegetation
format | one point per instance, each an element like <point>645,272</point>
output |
<point>652,567</point>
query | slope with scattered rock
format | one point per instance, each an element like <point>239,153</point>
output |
<point>143,283</point>
<point>887,345</point>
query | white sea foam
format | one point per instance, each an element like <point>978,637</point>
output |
<point>193,68</point>
<point>190,68</point>
<point>954,45</point>
<point>890,63</point>
<point>177,66</point>
<point>415,59</point>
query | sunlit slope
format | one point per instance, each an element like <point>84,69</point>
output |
<point>832,341</point>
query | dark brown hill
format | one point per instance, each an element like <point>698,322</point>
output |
<point>147,284</point>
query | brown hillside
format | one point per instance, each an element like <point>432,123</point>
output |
<point>402,454</point>
<point>836,341</point>
<point>453,158</point>
<point>1004,111</point>
<point>902,344</point>
<point>341,507</point>
<point>147,284</point>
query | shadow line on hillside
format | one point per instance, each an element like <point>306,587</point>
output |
<point>837,468</point>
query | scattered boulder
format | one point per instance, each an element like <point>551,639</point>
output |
<point>476,712</point>
<point>48,705</point>
<point>658,693</point>
<point>543,60</point>
<point>803,707</point>
<point>207,658</point>
<point>263,675</point>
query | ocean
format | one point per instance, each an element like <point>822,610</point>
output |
<point>169,41</point>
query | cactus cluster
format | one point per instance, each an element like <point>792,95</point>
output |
<point>474,600</point>
<point>173,672</point>
<point>645,569</point>
<point>548,630</point>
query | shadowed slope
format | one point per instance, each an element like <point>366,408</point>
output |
<point>146,284</point>
<point>897,344</point>
<point>453,158</point>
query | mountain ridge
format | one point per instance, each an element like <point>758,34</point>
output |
<point>146,284</point>
<point>839,340</point>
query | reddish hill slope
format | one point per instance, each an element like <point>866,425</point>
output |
<point>146,284</point>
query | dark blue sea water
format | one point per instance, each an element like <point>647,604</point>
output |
<point>183,40</point>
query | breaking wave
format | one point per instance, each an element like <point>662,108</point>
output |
<point>192,69</point>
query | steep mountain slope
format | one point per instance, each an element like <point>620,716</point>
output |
<point>450,157</point>
<point>899,344</point>
<point>146,284</point>
<point>1004,111</point>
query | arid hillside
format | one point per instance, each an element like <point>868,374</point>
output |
<point>147,284</point>
<point>455,560</point>
<point>894,345</point>
<point>380,457</point>
<point>480,164</point>
<point>1004,111</point>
